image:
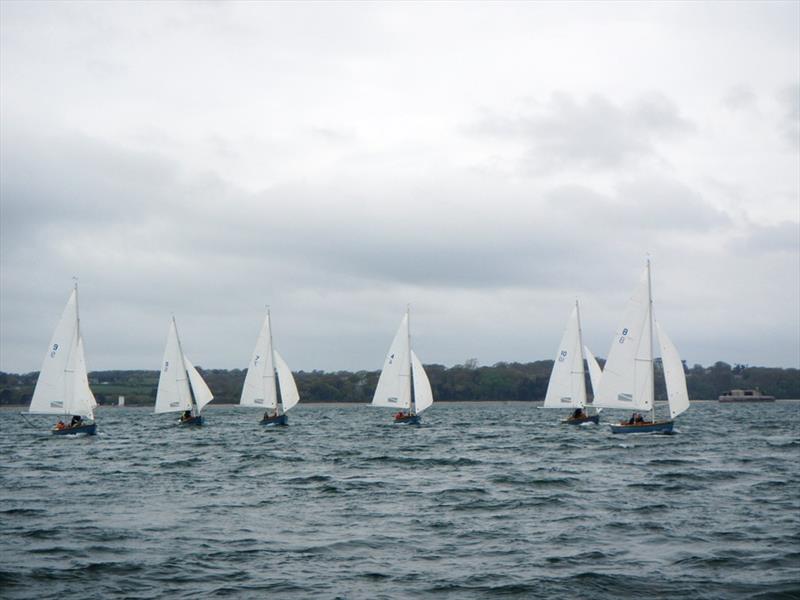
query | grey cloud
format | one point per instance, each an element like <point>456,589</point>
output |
<point>783,238</point>
<point>594,133</point>
<point>739,97</point>
<point>789,99</point>
<point>335,258</point>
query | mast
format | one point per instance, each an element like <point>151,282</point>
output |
<point>650,324</point>
<point>195,412</point>
<point>580,349</point>
<point>412,408</point>
<point>77,310</point>
<point>77,339</point>
<point>274,371</point>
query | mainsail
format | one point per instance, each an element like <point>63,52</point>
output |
<point>567,385</point>
<point>259,383</point>
<point>400,368</point>
<point>267,368</point>
<point>394,384</point>
<point>63,384</point>
<point>627,380</point>
<point>179,380</point>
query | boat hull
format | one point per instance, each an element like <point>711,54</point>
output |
<point>407,420</point>
<point>90,429</point>
<point>192,421</point>
<point>581,420</point>
<point>649,427</point>
<point>278,421</point>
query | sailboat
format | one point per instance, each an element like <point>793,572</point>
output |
<point>269,383</point>
<point>627,381</point>
<point>63,384</point>
<point>180,386</point>
<point>567,385</point>
<point>403,383</point>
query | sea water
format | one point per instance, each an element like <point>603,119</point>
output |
<point>482,501</point>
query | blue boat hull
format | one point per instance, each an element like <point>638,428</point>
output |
<point>657,427</point>
<point>580,421</point>
<point>279,421</point>
<point>90,429</point>
<point>407,420</point>
<point>192,421</point>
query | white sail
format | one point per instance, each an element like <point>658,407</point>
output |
<point>202,395</point>
<point>567,385</point>
<point>674,376</point>
<point>259,383</point>
<point>394,384</point>
<point>289,394</point>
<point>423,396</point>
<point>63,386</point>
<point>173,393</point>
<point>627,380</point>
<point>594,369</point>
<point>83,400</point>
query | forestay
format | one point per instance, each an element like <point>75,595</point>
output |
<point>423,396</point>
<point>289,394</point>
<point>627,380</point>
<point>567,385</point>
<point>173,384</point>
<point>394,385</point>
<point>674,376</point>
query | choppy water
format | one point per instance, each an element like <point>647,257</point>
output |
<point>483,501</point>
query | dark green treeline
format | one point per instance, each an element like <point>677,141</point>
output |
<point>502,381</point>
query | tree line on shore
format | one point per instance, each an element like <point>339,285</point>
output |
<point>467,382</point>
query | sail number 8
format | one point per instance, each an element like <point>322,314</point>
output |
<point>624,333</point>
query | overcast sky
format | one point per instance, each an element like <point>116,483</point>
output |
<point>486,163</point>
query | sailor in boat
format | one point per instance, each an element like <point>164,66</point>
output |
<point>77,421</point>
<point>636,419</point>
<point>60,425</point>
<point>578,414</point>
<point>400,415</point>
<point>187,414</point>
